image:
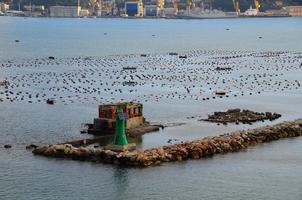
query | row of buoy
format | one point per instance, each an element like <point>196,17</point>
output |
<point>198,75</point>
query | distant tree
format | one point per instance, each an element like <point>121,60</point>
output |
<point>294,2</point>
<point>225,5</point>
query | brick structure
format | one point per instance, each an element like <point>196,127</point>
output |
<point>107,114</point>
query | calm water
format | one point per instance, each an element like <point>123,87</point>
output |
<point>74,37</point>
<point>269,171</point>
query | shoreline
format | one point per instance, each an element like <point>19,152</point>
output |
<point>159,18</point>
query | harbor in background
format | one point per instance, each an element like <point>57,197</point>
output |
<point>267,171</point>
<point>168,9</point>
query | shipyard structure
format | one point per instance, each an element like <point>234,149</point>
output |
<point>185,9</point>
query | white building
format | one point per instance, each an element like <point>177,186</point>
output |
<point>34,7</point>
<point>65,11</point>
<point>84,12</point>
<point>251,12</point>
<point>294,10</point>
<point>169,11</point>
<point>4,7</point>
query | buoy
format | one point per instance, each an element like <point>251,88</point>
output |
<point>7,146</point>
<point>220,93</point>
<point>50,101</point>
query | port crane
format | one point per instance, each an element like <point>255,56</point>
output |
<point>140,8</point>
<point>189,3</point>
<point>257,5</point>
<point>236,6</point>
<point>175,6</point>
<point>94,4</point>
<point>160,4</point>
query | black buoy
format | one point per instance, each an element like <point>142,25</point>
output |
<point>50,101</point>
<point>7,146</point>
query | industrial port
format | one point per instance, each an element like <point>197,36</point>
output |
<point>170,9</point>
<point>138,100</point>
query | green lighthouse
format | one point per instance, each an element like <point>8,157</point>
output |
<point>120,134</point>
<point>120,142</point>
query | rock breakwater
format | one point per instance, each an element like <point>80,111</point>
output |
<point>196,149</point>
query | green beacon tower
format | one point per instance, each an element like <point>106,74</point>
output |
<point>120,134</point>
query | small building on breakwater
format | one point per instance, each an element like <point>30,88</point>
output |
<point>133,115</point>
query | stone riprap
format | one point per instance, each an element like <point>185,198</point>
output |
<point>196,149</point>
<point>244,116</point>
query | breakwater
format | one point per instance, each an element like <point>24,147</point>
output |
<point>196,149</point>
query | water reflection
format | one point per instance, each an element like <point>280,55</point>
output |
<point>235,176</point>
<point>120,182</point>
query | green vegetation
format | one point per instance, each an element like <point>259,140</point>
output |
<point>227,5</point>
<point>47,3</point>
